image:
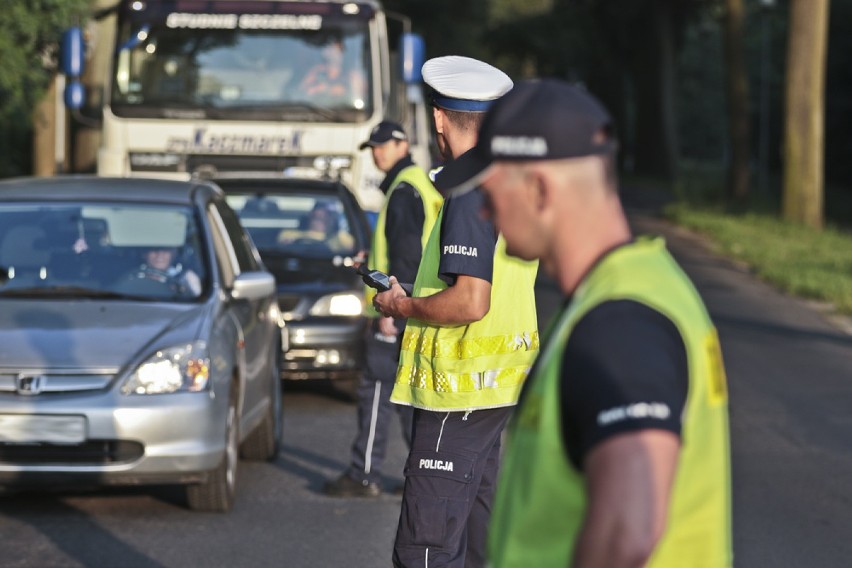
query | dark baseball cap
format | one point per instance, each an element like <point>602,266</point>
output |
<point>383,132</point>
<point>539,119</point>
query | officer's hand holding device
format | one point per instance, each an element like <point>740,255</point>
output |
<point>374,278</point>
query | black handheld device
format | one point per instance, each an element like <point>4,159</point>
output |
<point>373,278</point>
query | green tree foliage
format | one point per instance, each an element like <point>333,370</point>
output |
<point>29,45</point>
<point>449,27</point>
<point>624,50</point>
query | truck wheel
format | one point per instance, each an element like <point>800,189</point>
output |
<point>264,442</point>
<point>217,493</point>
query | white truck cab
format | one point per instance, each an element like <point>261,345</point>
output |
<point>212,86</point>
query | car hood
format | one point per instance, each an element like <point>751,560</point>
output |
<point>86,334</point>
<point>294,272</point>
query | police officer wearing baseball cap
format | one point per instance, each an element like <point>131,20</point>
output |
<point>618,453</point>
<point>468,345</point>
<point>384,132</point>
<point>404,223</point>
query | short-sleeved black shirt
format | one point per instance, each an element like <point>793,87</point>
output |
<point>467,239</point>
<point>624,369</point>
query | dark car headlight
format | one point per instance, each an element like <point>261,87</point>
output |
<point>183,368</point>
<point>340,304</point>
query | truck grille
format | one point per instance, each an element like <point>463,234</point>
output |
<point>226,163</point>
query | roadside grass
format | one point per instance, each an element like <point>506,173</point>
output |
<point>811,264</point>
<point>800,261</point>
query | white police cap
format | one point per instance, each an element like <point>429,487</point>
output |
<point>464,84</point>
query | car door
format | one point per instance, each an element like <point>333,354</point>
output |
<point>252,316</point>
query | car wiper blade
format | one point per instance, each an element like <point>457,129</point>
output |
<point>64,291</point>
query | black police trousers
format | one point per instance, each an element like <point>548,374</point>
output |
<point>450,479</point>
<point>375,410</point>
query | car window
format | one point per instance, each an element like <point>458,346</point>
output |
<point>309,224</point>
<point>240,241</point>
<point>222,248</point>
<point>143,250</point>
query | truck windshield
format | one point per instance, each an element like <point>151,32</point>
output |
<point>265,66</point>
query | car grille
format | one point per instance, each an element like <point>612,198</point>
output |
<point>92,452</point>
<point>56,381</point>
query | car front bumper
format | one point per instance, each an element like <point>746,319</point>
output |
<point>170,438</point>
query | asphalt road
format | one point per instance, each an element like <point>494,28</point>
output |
<point>789,372</point>
<point>790,380</point>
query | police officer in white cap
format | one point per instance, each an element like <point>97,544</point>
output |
<point>468,345</point>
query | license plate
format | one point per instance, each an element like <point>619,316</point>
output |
<point>39,428</point>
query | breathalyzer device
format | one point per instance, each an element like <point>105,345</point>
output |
<point>373,278</point>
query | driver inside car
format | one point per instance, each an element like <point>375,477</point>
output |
<point>322,225</point>
<point>159,266</point>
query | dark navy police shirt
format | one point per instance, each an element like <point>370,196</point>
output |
<point>467,239</point>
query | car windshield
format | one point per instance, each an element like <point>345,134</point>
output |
<point>305,225</point>
<point>100,250</point>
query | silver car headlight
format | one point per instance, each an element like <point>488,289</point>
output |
<point>342,304</point>
<point>183,368</point>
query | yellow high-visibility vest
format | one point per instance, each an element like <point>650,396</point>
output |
<point>431,199</point>
<point>474,366</point>
<point>541,500</point>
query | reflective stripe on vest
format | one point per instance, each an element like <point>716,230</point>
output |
<point>480,365</point>
<point>541,502</point>
<point>431,200</point>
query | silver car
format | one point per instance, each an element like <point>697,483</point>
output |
<point>139,337</point>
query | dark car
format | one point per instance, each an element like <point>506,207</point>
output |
<point>139,337</point>
<point>309,234</point>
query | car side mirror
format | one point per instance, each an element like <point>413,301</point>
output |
<point>253,285</point>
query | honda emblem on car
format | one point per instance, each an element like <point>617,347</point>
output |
<point>30,384</point>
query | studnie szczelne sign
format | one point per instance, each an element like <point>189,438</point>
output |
<point>244,21</point>
<point>204,143</point>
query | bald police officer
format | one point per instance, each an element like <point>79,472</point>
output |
<point>468,345</point>
<point>618,454</point>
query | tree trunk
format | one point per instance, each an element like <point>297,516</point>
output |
<point>738,115</point>
<point>804,112</point>
<point>653,72</point>
<point>45,132</point>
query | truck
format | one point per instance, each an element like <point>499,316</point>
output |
<point>204,87</point>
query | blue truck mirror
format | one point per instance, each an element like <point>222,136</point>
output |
<point>413,56</point>
<point>72,53</point>
<point>75,94</point>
